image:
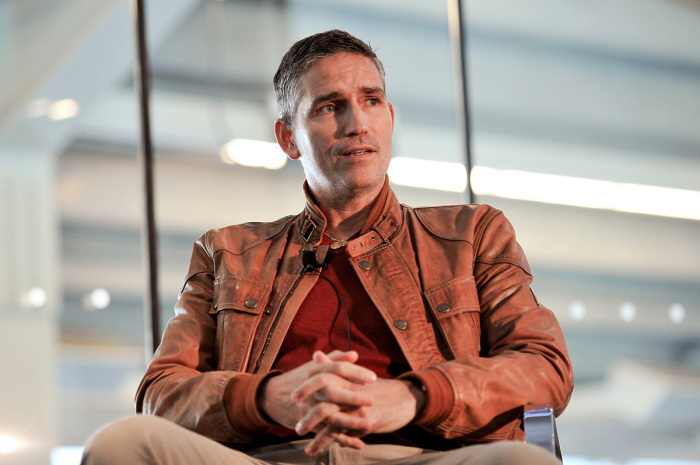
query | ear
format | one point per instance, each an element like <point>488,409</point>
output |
<point>283,133</point>
<point>391,110</point>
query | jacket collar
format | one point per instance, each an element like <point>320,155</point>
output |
<point>313,222</point>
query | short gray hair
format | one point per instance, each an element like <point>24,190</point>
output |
<point>306,52</point>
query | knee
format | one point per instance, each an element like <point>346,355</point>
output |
<point>130,437</point>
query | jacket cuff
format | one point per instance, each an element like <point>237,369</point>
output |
<point>439,397</point>
<point>240,398</point>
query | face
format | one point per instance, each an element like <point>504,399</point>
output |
<point>342,127</point>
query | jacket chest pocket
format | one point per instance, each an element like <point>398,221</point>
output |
<point>237,306</point>
<point>455,308</point>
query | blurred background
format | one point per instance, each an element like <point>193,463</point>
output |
<point>585,118</point>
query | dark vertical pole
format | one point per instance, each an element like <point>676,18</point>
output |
<point>458,35</point>
<point>148,230</point>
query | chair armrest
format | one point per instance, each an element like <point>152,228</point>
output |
<point>541,428</point>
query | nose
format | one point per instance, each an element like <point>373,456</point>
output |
<point>356,120</point>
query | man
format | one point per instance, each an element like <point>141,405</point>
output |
<point>359,331</point>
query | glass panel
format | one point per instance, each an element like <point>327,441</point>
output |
<point>65,367</point>
<point>583,113</point>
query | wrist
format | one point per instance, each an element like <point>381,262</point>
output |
<point>438,396</point>
<point>418,391</point>
<point>261,397</point>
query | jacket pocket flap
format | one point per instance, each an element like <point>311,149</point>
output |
<point>453,297</point>
<point>234,293</point>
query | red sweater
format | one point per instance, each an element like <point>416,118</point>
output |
<point>321,323</point>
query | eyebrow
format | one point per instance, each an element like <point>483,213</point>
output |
<point>322,98</point>
<point>334,95</point>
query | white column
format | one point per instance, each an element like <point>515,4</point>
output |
<point>30,302</point>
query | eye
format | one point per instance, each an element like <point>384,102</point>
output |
<point>327,108</point>
<point>373,101</point>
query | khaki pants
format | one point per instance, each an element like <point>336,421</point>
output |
<point>148,440</point>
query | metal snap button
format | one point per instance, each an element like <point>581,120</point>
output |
<point>442,308</point>
<point>251,303</point>
<point>365,265</point>
<point>401,324</point>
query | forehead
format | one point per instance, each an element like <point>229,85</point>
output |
<point>343,72</point>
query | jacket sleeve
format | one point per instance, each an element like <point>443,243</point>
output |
<point>523,358</point>
<point>182,382</point>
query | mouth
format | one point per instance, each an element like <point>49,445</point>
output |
<point>357,151</point>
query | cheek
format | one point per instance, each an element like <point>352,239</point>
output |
<point>388,125</point>
<point>303,143</point>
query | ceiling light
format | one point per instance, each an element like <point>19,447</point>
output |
<point>98,299</point>
<point>628,312</point>
<point>9,444</point>
<point>577,310</point>
<point>588,193</point>
<point>35,297</point>
<point>63,109</point>
<point>254,153</point>
<point>428,174</point>
<point>676,313</point>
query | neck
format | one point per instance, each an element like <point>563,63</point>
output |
<point>345,224</point>
<point>347,216</point>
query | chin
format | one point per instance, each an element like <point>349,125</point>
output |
<point>365,183</point>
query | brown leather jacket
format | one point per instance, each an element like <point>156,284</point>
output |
<point>451,282</point>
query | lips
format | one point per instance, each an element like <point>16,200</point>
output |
<point>357,152</point>
<point>356,148</point>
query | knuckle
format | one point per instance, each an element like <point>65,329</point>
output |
<point>340,368</point>
<point>326,409</point>
<point>325,379</point>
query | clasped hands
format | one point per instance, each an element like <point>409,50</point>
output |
<point>339,400</point>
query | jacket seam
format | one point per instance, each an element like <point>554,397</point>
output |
<point>192,275</point>
<point>235,277</point>
<point>481,229</point>
<point>417,212</point>
<point>284,224</point>
<point>448,283</point>
<point>506,261</point>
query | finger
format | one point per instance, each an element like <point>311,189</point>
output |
<point>350,371</point>
<point>350,441</point>
<point>329,415</point>
<point>321,440</point>
<point>336,356</point>
<point>318,380</point>
<point>342,396</point>
<point>342,364</point>
<point>325,385</point>
<point>330,434</point>
<point>315,417</point>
